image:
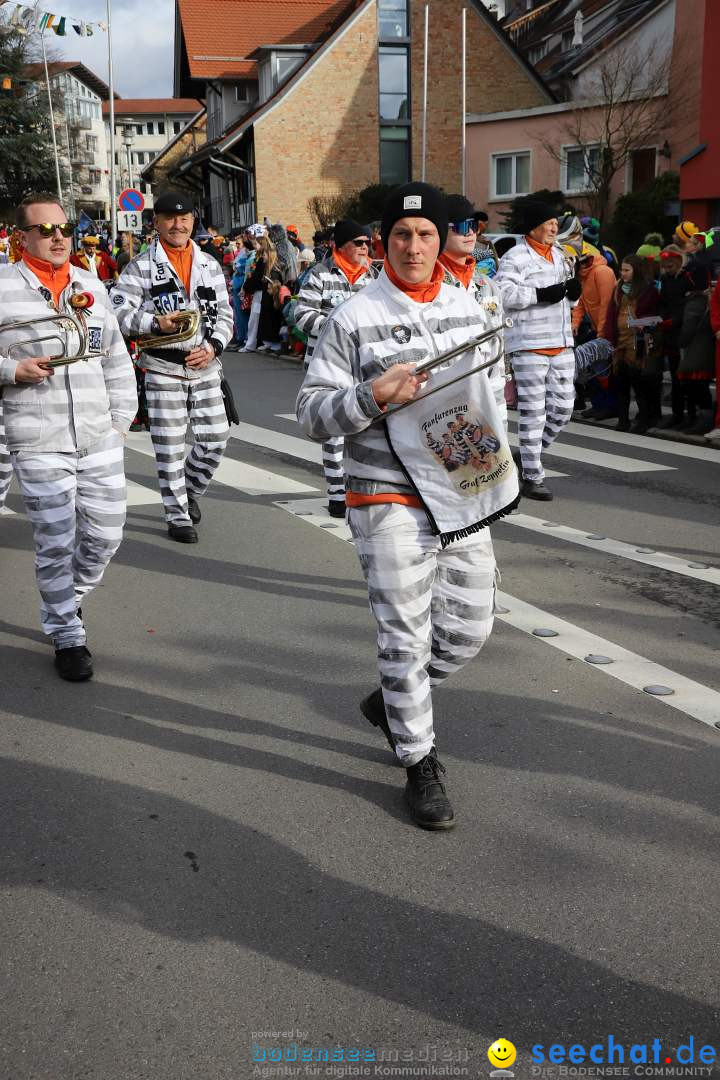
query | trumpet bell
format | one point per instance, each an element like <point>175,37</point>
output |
<point>187,323</point>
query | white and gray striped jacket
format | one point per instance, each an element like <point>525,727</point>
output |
<point>484,292</point>
<point>378,327</point>
<point>79,404</point>
<point>148,286</point>
<point>535,326</point>
<point>323,290</point>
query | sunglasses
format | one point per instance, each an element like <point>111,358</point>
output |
<point>363,242</point>
<point>47,229</point>
<point>462,228</point>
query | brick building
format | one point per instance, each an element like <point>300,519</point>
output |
<point>325,97</point>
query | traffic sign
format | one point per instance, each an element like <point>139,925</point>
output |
<point>131,199</point>
<point>129,221</point>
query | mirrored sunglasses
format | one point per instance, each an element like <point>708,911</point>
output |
<point>462,228</point>
<point>46,228</point>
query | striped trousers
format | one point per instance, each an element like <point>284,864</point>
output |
<point>171,403</point>
<point>433,608</point>
<point>76,506</point>
<point>546,394</point>
<point>333,451</point>
<point>5,463</point>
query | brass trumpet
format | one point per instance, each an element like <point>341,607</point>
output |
<point>74,323</point>
<point>187,323</point>
<point>443,357</point>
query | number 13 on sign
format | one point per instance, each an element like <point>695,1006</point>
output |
<point>129,221</point>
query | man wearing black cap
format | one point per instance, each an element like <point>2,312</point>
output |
<point>330,283</point>
<point>431,594</point>
<point>183,378</point>
<point>537,284</point>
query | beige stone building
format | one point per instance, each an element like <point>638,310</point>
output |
<point>331,99</point>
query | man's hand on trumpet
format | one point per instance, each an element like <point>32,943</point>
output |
<point>398,385</point>
<point>33,370</point>
<point>166,324</point>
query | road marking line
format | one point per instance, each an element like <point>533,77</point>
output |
<point>689,697</point>
<point>692,698</point>
<point>657,559</point>
<point>236,474</point>
<point>595,457</point>
<point>276,440</point>
<point>640,442</point>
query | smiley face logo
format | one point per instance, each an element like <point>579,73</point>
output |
<point>502,1054</point>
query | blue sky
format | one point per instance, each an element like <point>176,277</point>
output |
<point>142,37</point>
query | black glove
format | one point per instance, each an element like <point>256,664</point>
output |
<point>551,294</point>
<point>573,288</point>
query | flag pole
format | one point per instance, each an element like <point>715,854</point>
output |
<point>52,117</point>
<point>464,97</point>
<point>113,218</point>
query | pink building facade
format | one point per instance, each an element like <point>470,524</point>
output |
<point>508,155</point>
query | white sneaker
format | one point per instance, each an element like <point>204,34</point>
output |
<point>713,436</point>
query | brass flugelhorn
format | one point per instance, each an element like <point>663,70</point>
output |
<point>443,357</point>
<point>187,323</point>
<point>74,323</point>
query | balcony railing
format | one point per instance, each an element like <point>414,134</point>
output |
<point>84,123</point>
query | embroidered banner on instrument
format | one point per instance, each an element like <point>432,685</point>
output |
<point>455,451</point>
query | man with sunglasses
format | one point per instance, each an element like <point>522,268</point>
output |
<point>64,425</point>
<point>330,283</point>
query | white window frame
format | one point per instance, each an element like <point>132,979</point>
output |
<point>564,187</point>
<point>494,197</point>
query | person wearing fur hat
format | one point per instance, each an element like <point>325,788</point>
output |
<point>538,283</point>
<point>412,482</point>
<point>93,259</point>
<point>328,284</point>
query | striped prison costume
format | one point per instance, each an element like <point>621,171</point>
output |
<point>433,606</point>
<point>148,286</point>
<point>545,388</point>
<point>5,463</point>
<point>65,437</point>
<point>325,287</point>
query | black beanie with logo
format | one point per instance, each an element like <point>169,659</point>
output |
<point>415,200</point>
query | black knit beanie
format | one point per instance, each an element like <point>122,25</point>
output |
<point>534,212</point>
<point>415,200</point>
<point>347,229</point>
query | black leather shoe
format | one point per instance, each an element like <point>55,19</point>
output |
<point>590,414</point>
<point>336,508</point>
<point>194,510</point>
<point>639,429</point>
<point>74,663</point>
<point>425,794</point>
<point>184,534</point>
<point>373,709</point>
<point>535,489</point>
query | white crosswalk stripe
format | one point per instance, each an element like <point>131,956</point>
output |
<point>643,442</point>
<point>570,452</point>
<point>692,698</point>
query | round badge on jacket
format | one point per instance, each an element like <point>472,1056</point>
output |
<point>401,334</point>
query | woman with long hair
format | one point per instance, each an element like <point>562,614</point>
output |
<point>264,283</point>
<point>636,361</point>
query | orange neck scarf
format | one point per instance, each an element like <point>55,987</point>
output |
<point>54,278</point>
<point>542,249</point>
<point>181,260</point>
<point>352,271</point>
<point>463,271</point>
<point>422,293</point>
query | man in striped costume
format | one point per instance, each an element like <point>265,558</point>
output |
<point>537,285</point>
<point>182,381</point>
<point>64,426</point>
<point>329,284</point>
<point>433,604</point>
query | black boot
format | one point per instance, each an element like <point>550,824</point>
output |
<point>74,663</point>
<point>535,489</point>
<point>425,794</point>
<point>336,508</point>
<point>194,511</point>
<point>373,708</point>
<point>184,534</point>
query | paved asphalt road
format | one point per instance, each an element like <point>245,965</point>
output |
<point>207,844</point>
